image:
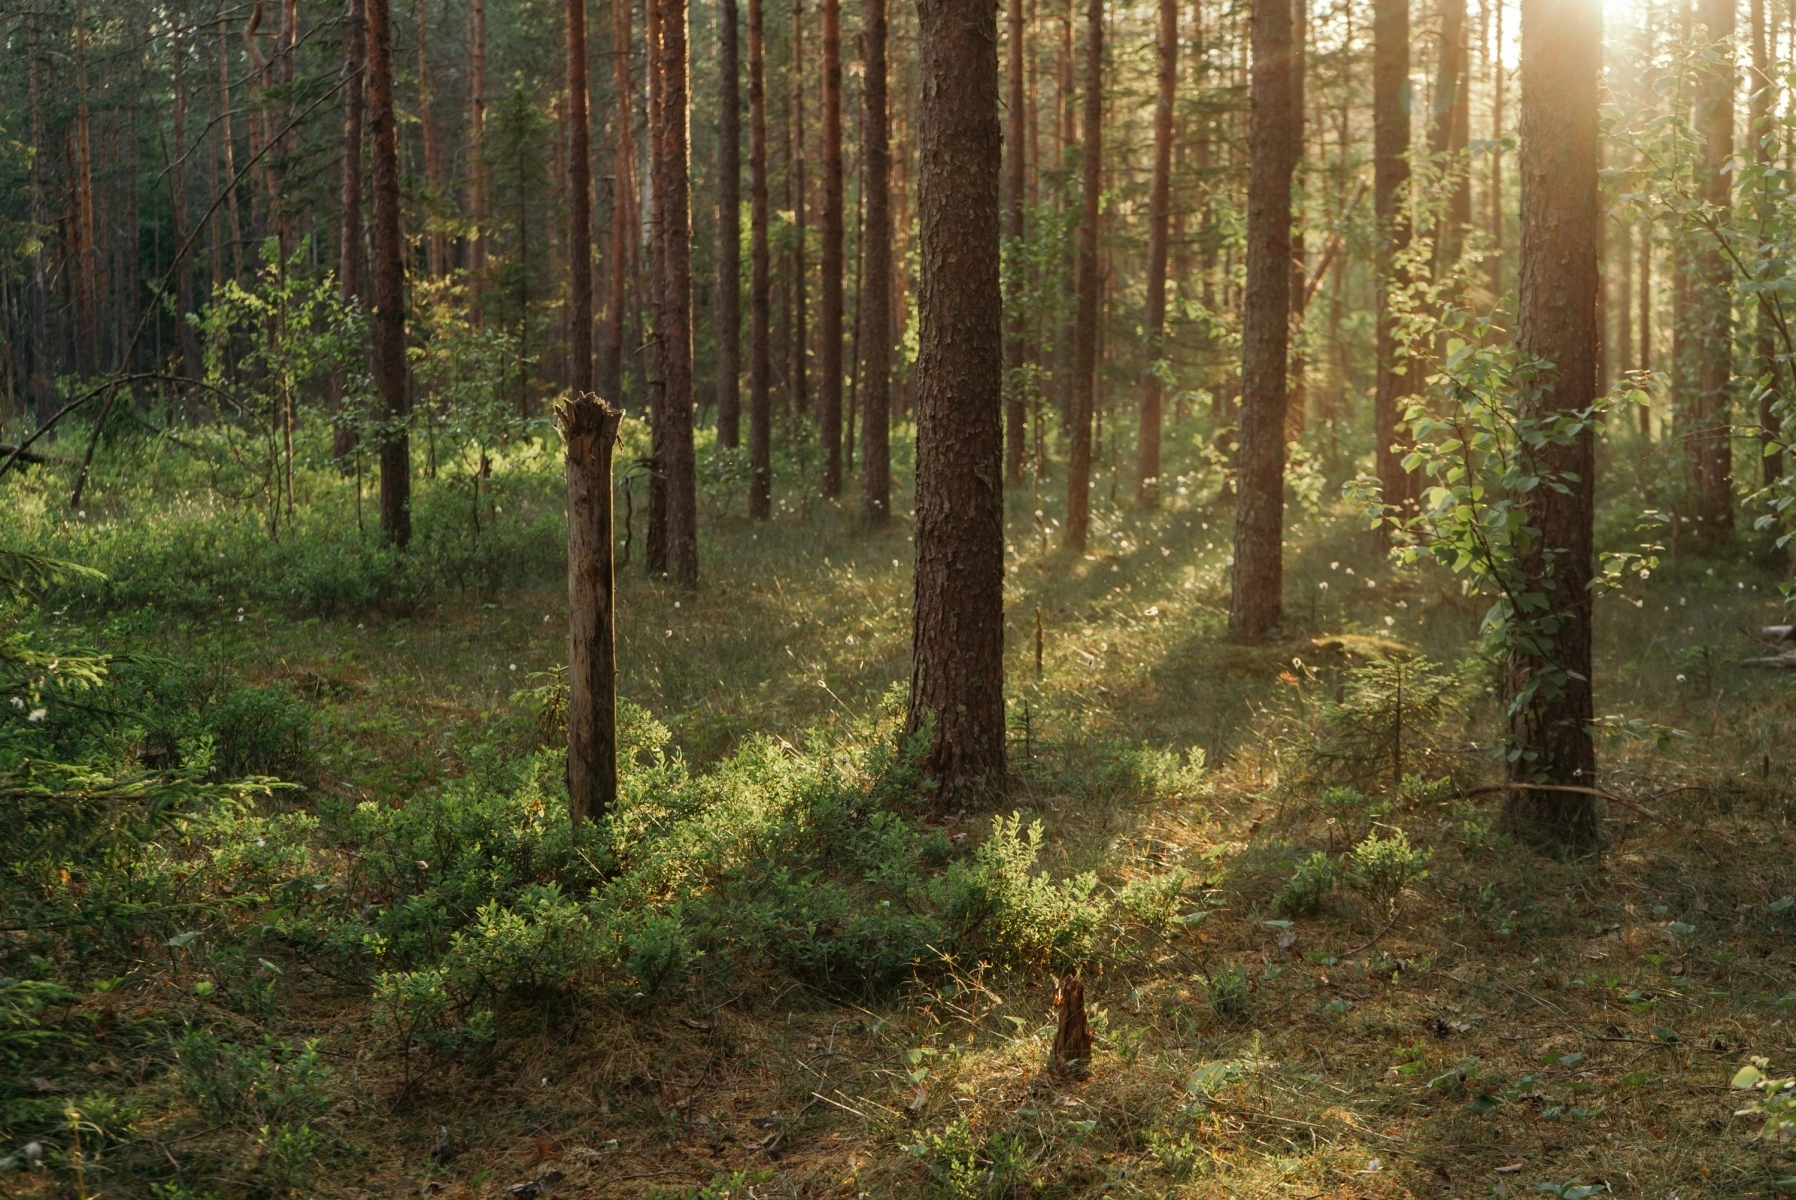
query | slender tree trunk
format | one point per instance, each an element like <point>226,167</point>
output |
<point>477,136</point>
<point>1624,296</point>
<point>729,233</point>
<point>436,246</point>
<point>88,260</point>
<point>1763,134</point>
<point>623,203</point>
<point>1068,128</point>
<point>1646,318</point>
<point>829,394</point>
<point>1085,329</point>
<point>1015,173</point>
<point>760,300</point>
<point>228,143</point>
<point>350,259</point>
<point>41,373</point>
<point>1448,130</point>
<point>656,543</point>
<point>389,283</point>
<point>957,641</point>
<point>876,281</point>
<point>1297,394</point>
<point>1391,143</point>
<point>579,209</point>
<point>177,195</point>
<point>1159,205</point>
<point>1549,725</point>
<point>673,316</point>
<point>801,340</point>
<point>1712,434</point>
<point>1499,85</point>
<point>590,427</point>
<point>1257,600</point>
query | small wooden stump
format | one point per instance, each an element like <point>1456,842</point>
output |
<point>590,427</point>
<point>1072,1041</point>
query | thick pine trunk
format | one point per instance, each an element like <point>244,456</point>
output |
<point>829,360</point>
<point>729,232</point>
<point>957,646</point>
<point>1159,215</point>
<point>388,317</point>
<point>760,299</point>
<point>579,209</point>
<point>1297,393</point>
<point>590,427</point>
<point>350,251</point>
<point>1560,222</point>
<point>674,456</point>
<point>1391,134</point>
<point>1712,299</point>
<point>1015,174</point>
<point>1257,600</point>
<point>1448,129</point>
<point>876,281</point>
<point>1085,271</point>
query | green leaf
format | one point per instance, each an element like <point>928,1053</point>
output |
<point>1747,1077</point>
<point>182,939</point>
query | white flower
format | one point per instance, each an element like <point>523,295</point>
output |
<point>38,714</point>
<point>1389,621</point>
<point>514,666</point>
<point>1680,679</point>
<point>1323,585</point>
<point>18,702</point>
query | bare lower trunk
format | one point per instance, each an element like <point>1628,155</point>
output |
<point>1256,603</point>
<point>729,233</point>
<point>957,646</point>
<point>1015,168</point>
<point>760,302</point>
<point>876,283</point>
<point>623,204</point>
<point>388,317</point>
<point>436,246</point>
<point>1085,269</point>
<point>477,133</point>
<point>1711,433</point>
<point>1390,118</point>
<point>673,313</point>
<point>350,254</point>
<point>1159,206</point>
<point>829,361</point>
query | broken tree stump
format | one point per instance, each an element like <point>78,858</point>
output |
<point>590,427</point>
<point>1072,1041</point>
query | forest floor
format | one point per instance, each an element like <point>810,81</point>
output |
<point>1511,1024</point>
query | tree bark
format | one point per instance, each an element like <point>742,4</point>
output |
<point>436,246</point>
<point>623,204</point>
<point>957,648</point>
<point>1256,603</point>
<point>1085,271</point>
<point>1015,174</point>
<point>1297,394</point>
<point>800,344</point>
<point>760,300</point>
<point>1448,132</point>
<point>590,427</point>
<point>477,133</point>
<point>1391,141</point>
<point>1499,86</point>
<point>673,314</point>
<point>876,281</point>
<point>349,249</point>
<point>579,209</point>
<point>829,361</point>
<point>729,232</point>
<point>1711,434</point>
<point>388,317</point>
<point>1159,215</point>
<point>87,265</point>
<point>177,196</point>
<point>1550,692</point>
<point>42,374</point>
<point>227,143</point>
<point>1763,133</point>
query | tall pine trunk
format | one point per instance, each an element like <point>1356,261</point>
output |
<point>350,252</point>
<point>1713,298</point>
<point>623,204</point>
<point>957,638</point>
<point>1549,726</point>
<point>436,246</point>
<point>477,135</point>
<point>1159,215</point>
<point>674,456</point>
<point>1256,602</point>
<point>187,337</point>
<point>1763,134</point>
<point>388,317</point>
<point>760,300</point>
<point>1390,173</point>
<point>1297,395</point>
<point>729,232</point>
<point>1015,175</point>
<point>876,280</point>
<point>829,361</point>
<point>579,209</point>
<point>800,344</point>
<point>1085,270</point>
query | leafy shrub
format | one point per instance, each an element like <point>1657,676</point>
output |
<point>1382,868</point>
<point>265,1083</point>
<point>1228,991</point>
<point>1017,914</point>
<point>1383,725</point>
<point>1154,902</point>
<point>1308,888</point>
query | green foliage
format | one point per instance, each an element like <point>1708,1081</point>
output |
<point>1228,990</point>
<point>1308,888</point>
<point>265,1083</point>
<point>1021,915</point>
<point>1385,722</point>
<point>963,1166</point>
<point>1773,1099</point>
<point>1383,868</point>
<point>1154,902</point>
